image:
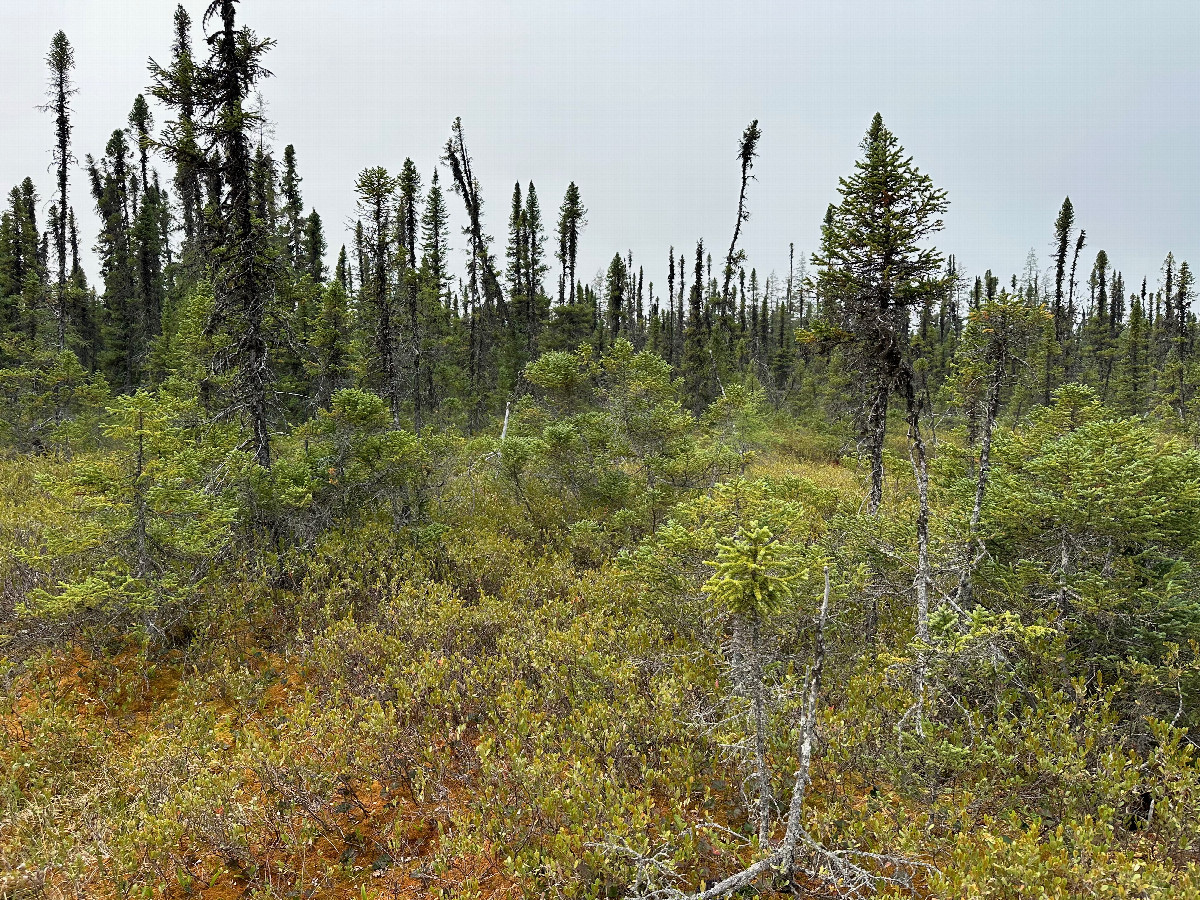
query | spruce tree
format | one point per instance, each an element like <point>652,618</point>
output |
<point>61,60</point>
<point>176,87</point>
<point>874,268</point>
<point>572,216</point>
<point>408,216</point>
<point>1063,226</point>
<point>1133,361</point>
<point>342,270</point>
<point>616,299</point>
<point>1068,341</point>
<point>141,121</point>
<point>677,350</point>
<point>123,324</point>
<point>480,265</point>
<point>695,363</point>
<point>149,243</point>
<point>747,150</point>
<point>408,219</point>
<point>240,246</point>
<point>313,249</point>
<point>331,344</point>
<point>25,263</point>
<point>376,191</point>
<point>1183,305</point>
<point>293,212</point>
<point>438,320</point>
<point>669,312</point>
<point>535,265</point>
<point>435,237</point>
<point>517,253</point>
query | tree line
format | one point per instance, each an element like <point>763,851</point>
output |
<point>219,269</point>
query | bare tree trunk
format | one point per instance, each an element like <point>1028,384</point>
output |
<point>257,380</point>
<point>921,471</point>
<point>876,433</point>
<point>1063,571</point>
<point>783,859</point>
<point>760,740</point>
<point>834,869</point>
<point>414,336</point>
<point>991,410</point>
<point>139,502</point>
<point>800,787</point>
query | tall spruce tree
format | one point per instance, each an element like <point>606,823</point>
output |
<point>26,261</point>
<point>293,211</point>
<point>695,362</point>
<point>1183,306</point>
<point>342,270</point>
<point>481,267</point>
<point>617,300</point>
<point>61,60</point>
<point>408,216</point>
<point>376,191</point>
<point>141,121</point>
<point>312,252</point>
<point>240,246</point>
<point>123,322</point>
<point>435,237</point>
<point>572,216</point>
<point>149,237</point>
<point>517,253</point>
<point>408,220</point>
<point>535,265</point>
<point>874,267</point>
<point>176,87</point>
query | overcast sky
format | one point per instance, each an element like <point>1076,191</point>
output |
<point>1008,105</point>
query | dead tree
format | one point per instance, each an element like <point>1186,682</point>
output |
<point>920,464</point>
<point>797,854</point>
<point>747,150</point>
<point>481,270</point>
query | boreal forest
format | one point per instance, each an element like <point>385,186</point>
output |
<point>388,570</point>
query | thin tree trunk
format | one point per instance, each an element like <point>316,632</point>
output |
<point>760,740</point>
<point>800,786</point>
<point>415,338</point>
<point>1063,571</point>
<point>921,471</point>
<point>257,381</point>
<point>746,155</point>
<point>783,859</point>
<point>991,410</point>
<point>876,433</point>
<point>139,501</point>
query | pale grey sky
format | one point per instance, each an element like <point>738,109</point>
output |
<point>1008,105</point>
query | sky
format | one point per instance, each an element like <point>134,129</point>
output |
<point>1009,106</point>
